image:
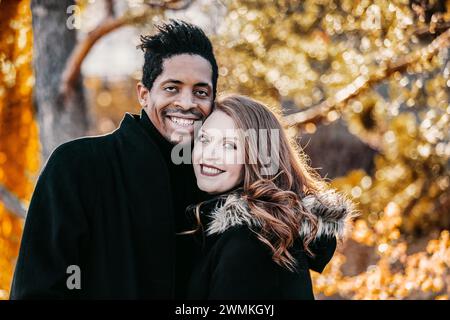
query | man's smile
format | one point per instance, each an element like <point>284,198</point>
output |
<point>182,121</point>
<point>179,121</point>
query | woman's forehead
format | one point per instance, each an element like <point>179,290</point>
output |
<point>219,121</point>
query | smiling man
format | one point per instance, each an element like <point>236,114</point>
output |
<point>103,218</point>
<point>183,91</point>
<point>176,99</point>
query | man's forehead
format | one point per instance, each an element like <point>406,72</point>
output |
<point>187,68</point>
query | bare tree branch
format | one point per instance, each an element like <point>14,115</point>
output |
<point>12,203</point>
<point>73,65</point>
<point>110,8</point>
<point>415,200</point>
<point>319,113</point>
<point>438,27</point>
<point>171,4</point>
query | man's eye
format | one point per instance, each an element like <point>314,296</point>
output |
<point>201,93</point>
<point>170,89</point>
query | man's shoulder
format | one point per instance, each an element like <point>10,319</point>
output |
<point>80,150</point>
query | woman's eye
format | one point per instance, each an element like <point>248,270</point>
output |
<point>230,146</point>
<point>201,138</point>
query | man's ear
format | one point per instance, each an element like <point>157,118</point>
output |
<point>142,93</point>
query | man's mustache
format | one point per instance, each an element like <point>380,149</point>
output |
<point>192,112</point>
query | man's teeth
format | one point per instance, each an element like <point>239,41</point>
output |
<point>211,170</point>
<point>182,122</point>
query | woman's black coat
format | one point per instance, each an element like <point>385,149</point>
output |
<point>235,264</point>
<point>107,204</point>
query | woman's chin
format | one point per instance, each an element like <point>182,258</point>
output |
<point>202,187</point>
<point>216,187</point>
<point>209,189</point>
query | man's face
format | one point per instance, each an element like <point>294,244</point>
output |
<point>181,95</point>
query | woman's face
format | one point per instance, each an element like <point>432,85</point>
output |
<point>218,154</point>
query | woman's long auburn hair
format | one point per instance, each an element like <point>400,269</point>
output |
<point>273,198</point>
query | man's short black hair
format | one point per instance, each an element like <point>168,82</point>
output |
<point>174,38</point>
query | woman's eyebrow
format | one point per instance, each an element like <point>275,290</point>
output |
<point>230,138</point>
<point>205,132</point>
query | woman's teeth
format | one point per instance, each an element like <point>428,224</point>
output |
<point>182,122</point>
<point>210,170</point>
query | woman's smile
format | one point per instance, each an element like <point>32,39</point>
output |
<point>210,171</point>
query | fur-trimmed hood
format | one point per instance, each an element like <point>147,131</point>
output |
<point>333,210</point>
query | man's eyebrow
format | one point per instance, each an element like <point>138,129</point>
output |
<point>171,81</point>
<point>202,84</point>
<point>199,84</point>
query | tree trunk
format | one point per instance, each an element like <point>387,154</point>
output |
<point>60,118</point>
<point>335,151</point>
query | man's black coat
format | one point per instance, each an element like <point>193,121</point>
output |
<point>112,206</point>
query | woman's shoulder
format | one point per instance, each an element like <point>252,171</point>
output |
<point>227,221</point>
<point>332,210</point>
<point>227,214</point>
<point>239,246</point>
<point>241,238</point>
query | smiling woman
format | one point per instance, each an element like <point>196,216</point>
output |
<point>218,155</point>
<point>264,229</point>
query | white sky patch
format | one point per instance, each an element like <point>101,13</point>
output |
<point>115,55</point>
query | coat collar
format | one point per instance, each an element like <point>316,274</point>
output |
<point>333,210</point>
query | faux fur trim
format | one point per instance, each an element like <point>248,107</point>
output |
<point>234,212</point>
<point>334,214</point>
<point>333,210</point>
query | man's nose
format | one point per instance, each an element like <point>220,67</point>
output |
<point>185,100</point>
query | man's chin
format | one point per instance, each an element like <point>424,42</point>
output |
<point>181,138</point>
<point>178,134</point>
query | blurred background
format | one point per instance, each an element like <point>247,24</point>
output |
<point>363,86</point>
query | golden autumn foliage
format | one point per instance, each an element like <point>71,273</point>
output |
<point>19,144</point>
<point>300,53</point>
<point>303,52</point>
<point>396,274</point>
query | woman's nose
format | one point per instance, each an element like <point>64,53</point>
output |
<point>211,153</point>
